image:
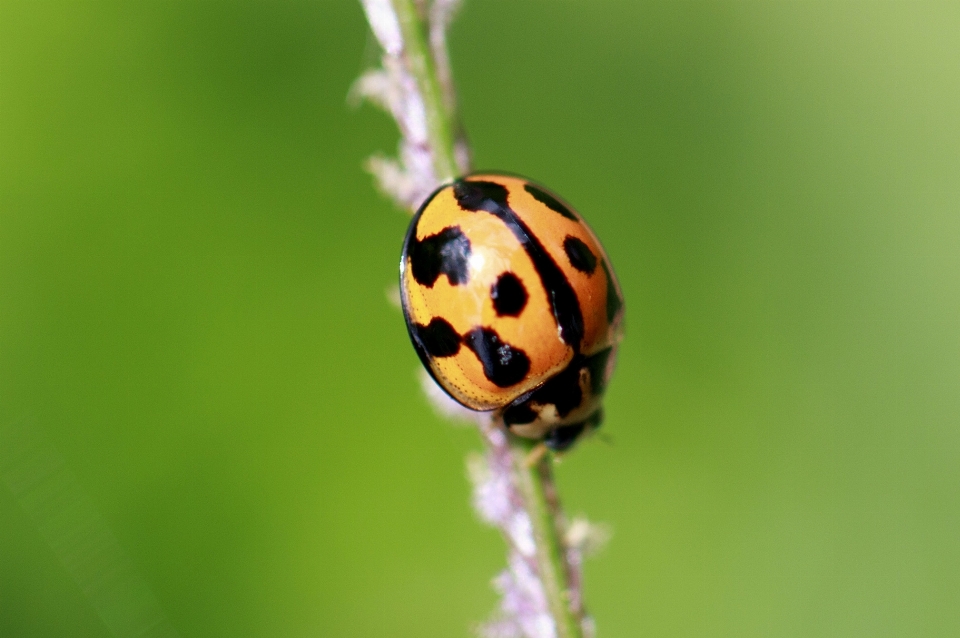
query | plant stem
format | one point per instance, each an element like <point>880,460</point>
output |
<point>440,120</point>
<point>541,582</point>
<point>534,481</point>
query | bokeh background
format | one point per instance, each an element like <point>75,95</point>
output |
<point>193,268</point>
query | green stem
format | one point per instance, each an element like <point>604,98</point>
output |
<point>440,121</point>
<point>535,483</point>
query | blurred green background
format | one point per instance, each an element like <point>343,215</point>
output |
<point>193,268</point>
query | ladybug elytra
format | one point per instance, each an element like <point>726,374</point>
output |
<point>512,305</point>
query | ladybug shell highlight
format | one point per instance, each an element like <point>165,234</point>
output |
<point>512,305</point>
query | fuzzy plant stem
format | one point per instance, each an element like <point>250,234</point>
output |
<point>439,118</point>
<point>513,485</point>
<point>534,480</point>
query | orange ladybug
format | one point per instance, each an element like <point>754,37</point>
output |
<point>512,305</point>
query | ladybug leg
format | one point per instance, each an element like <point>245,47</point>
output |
<point>537,453</point>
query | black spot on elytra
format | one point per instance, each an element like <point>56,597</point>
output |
<point>502,364</point>
<point>491,197</point>
<point>614,302</point>
<point>580,255</point>
<point>508,295</point>
<point>445,253</point>
<point>438,338</point>
<point>475,196</point>
<point>549,201</point>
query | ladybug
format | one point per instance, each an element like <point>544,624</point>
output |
<point>512,305</point>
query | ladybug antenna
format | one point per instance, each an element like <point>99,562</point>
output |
<point>605,438</point>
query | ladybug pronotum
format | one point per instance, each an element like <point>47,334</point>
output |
<point>512,305</point>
